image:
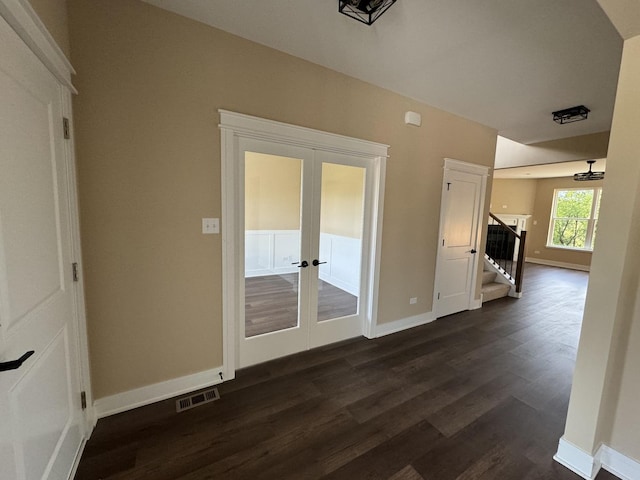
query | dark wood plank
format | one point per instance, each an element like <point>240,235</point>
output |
<point>477,395</point>
<point>271,303</point>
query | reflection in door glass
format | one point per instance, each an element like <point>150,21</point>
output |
<point>341,224</point>
<point>272,242</point>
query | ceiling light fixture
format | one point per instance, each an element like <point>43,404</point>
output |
<point>586,176</point>
<point>570,115</point>
<point>365,11</point>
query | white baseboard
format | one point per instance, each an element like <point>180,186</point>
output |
<point>139,397</point>
<point>403,324</point>
<point>577,460</point>
<point>551,263</point>
<point>587,466</point>
<point>620,465</point>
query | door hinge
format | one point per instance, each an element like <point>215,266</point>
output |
<point>65,128</point>
<point>74,269</point>
<point>443,242</point>
<point>83,400</point>
<point>438,295</point>
<point>448,186</point>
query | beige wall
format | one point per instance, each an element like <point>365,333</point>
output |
<point>53,14</point>
<point>342,200</point>
<point>272,192</point>
<point>618,425</point>
<point>604,404</point>
<point>148,151</point>
<point>272,195</point>
<point>623,432</point>
<point>513,196</point>
<point>538,232</point>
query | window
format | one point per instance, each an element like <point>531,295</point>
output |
<point>574,218</point>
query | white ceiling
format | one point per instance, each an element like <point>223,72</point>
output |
<point>550,170</point>
<point>504,63</point>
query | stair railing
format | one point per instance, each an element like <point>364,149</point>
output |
<point>502,244</point>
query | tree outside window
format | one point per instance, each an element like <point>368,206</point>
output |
<point>574,218</point>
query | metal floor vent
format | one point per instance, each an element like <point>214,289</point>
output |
<point>197,399</point>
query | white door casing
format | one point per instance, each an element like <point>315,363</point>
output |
<point>43,426</point>
<point>462,207</point>
<point>235,128</point>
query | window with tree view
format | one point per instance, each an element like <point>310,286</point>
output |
<point>574,218</point>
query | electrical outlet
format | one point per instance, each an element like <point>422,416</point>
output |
<point>537,252</point>
<point>210,226</point>
<point>413,300</point>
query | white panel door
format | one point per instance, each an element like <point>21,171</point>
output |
<point>40,412</point>
<point>460,214</point>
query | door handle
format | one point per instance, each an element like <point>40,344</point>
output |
<point>15,364</point>
<point>315,263</point>
<point>473,250</point>
<point>304,264</point>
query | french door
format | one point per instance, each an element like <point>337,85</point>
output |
<point>306,220</point>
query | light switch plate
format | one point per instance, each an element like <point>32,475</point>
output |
<point>210,226</point>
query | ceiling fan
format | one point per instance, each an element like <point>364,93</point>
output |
<point>586,176</point>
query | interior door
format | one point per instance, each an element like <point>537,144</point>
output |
<point>457,253</point>
<point>306,215</point>
<point>276,205</point>
<point>339,248</point>
<point>40,411</point>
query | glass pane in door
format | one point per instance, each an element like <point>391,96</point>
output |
<point>272,242</point>
<point>341,227</point>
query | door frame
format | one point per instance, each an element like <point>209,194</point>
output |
<point>236,125</point>
<point>25,22</point>
<point>474,169</point>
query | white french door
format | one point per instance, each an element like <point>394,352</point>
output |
<point>340,245</point>
<point>306,220</point>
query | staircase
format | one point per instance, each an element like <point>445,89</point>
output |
<point>503,261</point>
<point>492,290</point>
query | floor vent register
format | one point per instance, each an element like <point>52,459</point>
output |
<point>197,399</point>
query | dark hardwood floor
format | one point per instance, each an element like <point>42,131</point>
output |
<point>271,303</point>
<point>476,395</point>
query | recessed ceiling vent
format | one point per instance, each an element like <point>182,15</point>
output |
<point>586,176</point>
<point>197,399</point>
<point>570,115</point>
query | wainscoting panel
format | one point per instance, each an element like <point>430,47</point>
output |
<point>272,252</point>
<point>342,255</point>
